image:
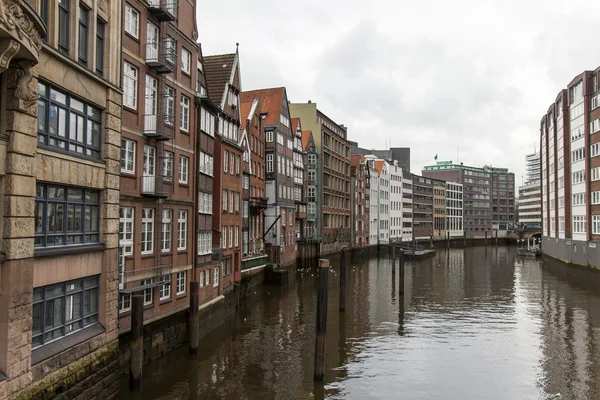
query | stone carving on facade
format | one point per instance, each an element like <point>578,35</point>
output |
<point>8,49</point>
<point>14,20</point>
<point>24,90</point>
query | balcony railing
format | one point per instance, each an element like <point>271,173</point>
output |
<point>163,10</point>
<point>156,185</point>
<point>258,203</point>
<point>159,275</point>
<point>160,55</point>
<point>159,127</point>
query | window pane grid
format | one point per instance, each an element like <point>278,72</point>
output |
<point>64,308</point>
<point>68,123</point>
<point>66,215</point>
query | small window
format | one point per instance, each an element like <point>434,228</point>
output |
<point>63,26</point>
<point>100,26</point>
<point>148,298</point>
<point>132,21</point>
<point>184,114</point>
<point>181,282</point>
<point>147,230</point>
<point>182,230</point>
<point>165,288</point>
<point>166,231</point>
<point>130,84</point>
<point>216,277</point>
<point>183,170</point>
<point>127,156</point>
<point>186,61</point>
<point>83,35</point>
<point>126,230</point>
<point>124,302</point>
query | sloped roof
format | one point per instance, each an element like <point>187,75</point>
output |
<point>379,166</point>
<point>305,137</point>
<point>270,102</point>
<point>295,122</point>
<point>356,159</point>
<point>245,107</point>
<point>217,72</point>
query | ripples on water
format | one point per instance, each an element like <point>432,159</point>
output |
<point>472,324</point>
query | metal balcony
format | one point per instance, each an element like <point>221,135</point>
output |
<point>257,203</point>
<point>163,10</point>
<point>160,56</point>
<point>156,186</point>
<point>159,127</point>
<point>160,275</point>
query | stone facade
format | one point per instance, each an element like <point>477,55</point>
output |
<point>37,155</point>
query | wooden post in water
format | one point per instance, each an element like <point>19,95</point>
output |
<point>447,239</point>
<point>401,274</point>
<point>393,255</point>
<point>194,323</point>
<point>486,238</point>
<point>343,281</point>
<point>431,241</point>
<point>465,239</point>
<point>321,320</point>
<point>136,357</point>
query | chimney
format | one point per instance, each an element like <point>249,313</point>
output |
<point>309,102</point>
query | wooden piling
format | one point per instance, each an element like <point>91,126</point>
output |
<point>321,320</point>
<point>136,357</point>
<point>486,238</point>
<point>465,239</point>
<point>194,323</point>
<point>401,274</point>
<point>496,237</point>
<point>343,281</point>
<point>431,241</point>
<point>447,239</point>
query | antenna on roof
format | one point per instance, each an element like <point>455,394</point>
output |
<point>237,45</point>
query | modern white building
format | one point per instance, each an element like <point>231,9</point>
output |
<point>407,208</point>
<point>395,201</point>
<point>380,201</point>
<point>454,209</point>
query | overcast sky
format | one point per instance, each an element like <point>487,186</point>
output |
<point>430,75</point>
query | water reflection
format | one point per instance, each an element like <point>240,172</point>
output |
<point>474,323</point>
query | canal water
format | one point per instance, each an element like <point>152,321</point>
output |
<point>477,323</point>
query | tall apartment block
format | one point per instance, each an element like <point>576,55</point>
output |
<point>570,169</point>
<point>208,253</point>
<point>254,204</point>
<point>360,193</point>
<point>530,194</point>
<point>311,177</point>
<point>396,196</point>
<point>482,211</point>
<point>422,207</point>
<point>279,220</point>
<point>333,204</point>
<point>380,201</point>
<point>299,176</point>
<point>407,206</point>
<point>439,208</point>
<point>59,174</point>
<point>454,209</point>
<point>157,152</point>
<point>224,84</point>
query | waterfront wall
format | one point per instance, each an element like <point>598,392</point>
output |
<point>169,332</point>
<point>573,257</point>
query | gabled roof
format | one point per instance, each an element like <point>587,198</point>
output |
<point>356,159</point>
<point>218,72</point>
<point>245,108</point>
<point>295,122</point>
<point>270,102</point>
<point>306,135</point>
<point>247,114</point>
<point>379,164</point>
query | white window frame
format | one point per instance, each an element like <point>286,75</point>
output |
<point>124,299</point>
<point>181,282</point>
<point>207,277</point>
<point>170,106</point>
<point>184,163</point>
<point>201,278</point>
<point>216,277</point>
<point>269,136</point>
<point>165,288</point>
<point>126,222</point>
<point>225,199</point>
<point>224,237</point>
<point>596,224</point>
<point>130,85</point>
<point>231,237</point>
<point>225,160</point>
<point>184,113</point>
<point>130,27</point>
<point>237,233</point>
<point>167,217</point>
<point>128,156</point>
<point>167,167</point>
<point>182,230</point>
<point>149,292</point>
<point>147,222</point>
<point>186,61</point>
<point>269,163</point>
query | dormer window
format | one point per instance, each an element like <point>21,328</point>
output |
<point>232,99</point>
